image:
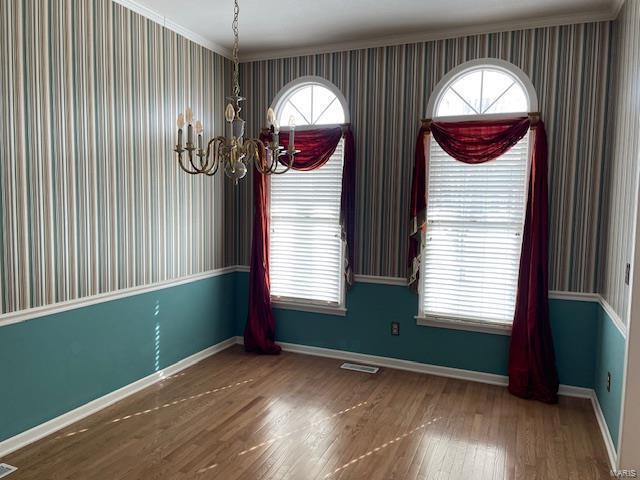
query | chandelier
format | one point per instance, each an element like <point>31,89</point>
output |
<point>234,152</point>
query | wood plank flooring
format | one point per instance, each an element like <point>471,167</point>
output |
<point>242,416</point>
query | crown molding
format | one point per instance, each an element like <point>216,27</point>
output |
<point>174,27</point>
<point>616,6</point>
<point>388,41</point>
<point>604,15</point>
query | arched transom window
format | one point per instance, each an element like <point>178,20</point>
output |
<point>475,213</point>
<point>483,90</point>
<point>306,250</point>
<point>310,103</point>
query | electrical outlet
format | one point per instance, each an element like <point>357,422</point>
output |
<point>395,328</point>
<point>627,273</point>
<point>608,381</point>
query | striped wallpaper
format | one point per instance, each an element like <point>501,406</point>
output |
<point>623,158</point>
<point>387,90</point>
<point>90,196</point>
<point>91,199</point>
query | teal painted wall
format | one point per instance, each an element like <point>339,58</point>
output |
<point>371,308</point>
<point>59,362</point>
<point>610,349</point>
<point>56,363</point>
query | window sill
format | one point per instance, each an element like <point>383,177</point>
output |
<point>309,307</point>
<point>468,325</point>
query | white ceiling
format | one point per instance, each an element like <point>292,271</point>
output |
<point>284,27</point>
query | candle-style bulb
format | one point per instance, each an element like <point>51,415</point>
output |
<point>271,117</point>
<point>292,133</point>
<point>276,126</point>
<point>230,113</point>
<point>180,120</point>
<point>189,115</point>
<point>199,127</point>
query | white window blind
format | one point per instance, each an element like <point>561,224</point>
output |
<point>306,257</point>
<point>475,217</point>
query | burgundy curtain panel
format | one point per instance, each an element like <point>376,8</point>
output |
<point>532,368</point>
<point>260,330</point>
<point>479,142</point>
<point>316,147</point>
<point>418,212</point>
<point>348,204</point>
<point>532,365</point>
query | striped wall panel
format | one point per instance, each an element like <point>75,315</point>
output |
<point>623,158</point>
<point>387,90</point>
<point>91,198</point>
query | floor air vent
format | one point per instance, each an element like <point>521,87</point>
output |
<point>6,469</point>
<point>360,368</point>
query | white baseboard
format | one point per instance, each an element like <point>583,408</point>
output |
<point>489,378</point>
<point>604,430</point>
<point>36,433</point>
<point>411,366</point>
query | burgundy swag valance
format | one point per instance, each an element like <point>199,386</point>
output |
<point>316,147</point>
<point>532,369</point>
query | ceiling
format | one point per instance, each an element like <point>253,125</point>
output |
<point>276,28</point>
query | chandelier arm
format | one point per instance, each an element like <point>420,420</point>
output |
<point>193,165</point>
<point>212,165</point>
<point>287,166</point>
<point>275,154</point>
<point>217,143</point>
<point>258,154</point>
<point>180,163</point>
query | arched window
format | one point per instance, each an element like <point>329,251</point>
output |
<point>306,252</point>
<point>475,213</point>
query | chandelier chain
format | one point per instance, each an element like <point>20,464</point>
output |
<point>233,152</point>
<point>236,67</point>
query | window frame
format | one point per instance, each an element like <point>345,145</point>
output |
<point>452,322</point>
<point>279,101</point>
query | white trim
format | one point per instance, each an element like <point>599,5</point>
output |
<point>579,296</point>
<point>388,41</point>
<point>494,63</point>
<point>604,430</point>
<point>36,433</point>
<point>31,313</point>
<point>160,19</point>
<point>300,82</point>
<point>633,311</point>
<point>397,281</point>
<point>389,362</point>
<point>401,281</point>
<point>575,392</point>
<point>482,116</point>
<point>616,7</point>
<point>309,307</point>
<point>615,318</point>
<point>418,367</point>
<point>467,325</point>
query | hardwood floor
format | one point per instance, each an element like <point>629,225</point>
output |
<point>241,416</point>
